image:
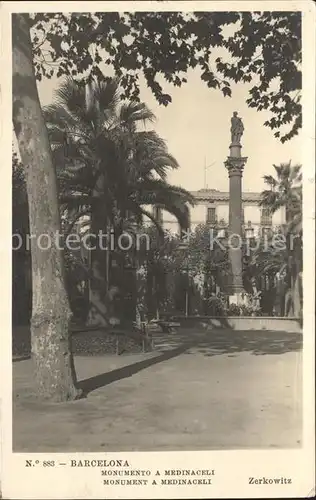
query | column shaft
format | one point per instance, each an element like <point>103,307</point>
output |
<point>235,230</point>
<point>235,203</point>
<point>235,168</point>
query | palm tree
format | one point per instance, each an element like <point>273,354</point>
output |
<point>286,191</point>
<point>108,169</point>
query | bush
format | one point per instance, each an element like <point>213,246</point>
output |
<point>234,310</point>
<point>217,305</point>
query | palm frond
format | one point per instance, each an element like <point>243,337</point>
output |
<point>295,174</point>
<point>132,112</point>
<point>270,200</point>
<point>58,115</point>
<point>107,94</point>
<point>158,186</point>
<point>172,202</point>
<point>270,180</point>
<point>140,211</point>
<point>72,96</point>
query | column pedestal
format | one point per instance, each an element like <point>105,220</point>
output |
<point>236,299</point>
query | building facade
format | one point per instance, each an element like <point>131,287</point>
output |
<point>212,208</point>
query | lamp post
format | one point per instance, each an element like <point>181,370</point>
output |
<point>184,247</point>
<point>222,237</point>
<point>248,240</point>
<point>249,232</point>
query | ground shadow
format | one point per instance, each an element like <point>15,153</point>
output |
<point>208,343</point>
<point>199,340</point>
<point>21,358</point>
<point>256,342</point>
<point>93,383</point>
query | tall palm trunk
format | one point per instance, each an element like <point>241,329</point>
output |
<point>293,297</point>
<point>296,282</point>
<point>98,307</point>
<point>51,353</point>
<point>119,277</point>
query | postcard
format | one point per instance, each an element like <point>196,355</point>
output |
<point>157,249</point>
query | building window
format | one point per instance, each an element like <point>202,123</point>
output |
<point>211,215</point>
<point>266,217</point>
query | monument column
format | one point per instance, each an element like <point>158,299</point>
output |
<point>235,164</point>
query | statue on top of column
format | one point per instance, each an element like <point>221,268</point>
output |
<point>237,129</point>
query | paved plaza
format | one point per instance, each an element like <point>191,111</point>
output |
<point>198,390</point>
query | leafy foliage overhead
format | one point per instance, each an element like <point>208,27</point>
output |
<point>263,48</point>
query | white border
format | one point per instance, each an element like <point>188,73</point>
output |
<point>232,467</point>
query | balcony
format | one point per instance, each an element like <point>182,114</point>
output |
<point>213,222</point>
<point>266,221</point>
<point>266,217</point>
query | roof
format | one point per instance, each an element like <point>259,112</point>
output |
<point>216,195</point>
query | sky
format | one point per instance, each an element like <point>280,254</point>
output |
<point>196,127</point>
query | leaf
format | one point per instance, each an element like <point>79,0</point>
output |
<point>169,42</point>
<point>227,91</point>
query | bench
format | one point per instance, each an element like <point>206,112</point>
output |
<point>166,326</point>
<point>140,335</point>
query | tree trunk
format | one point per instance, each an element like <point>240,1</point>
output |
<point>54,369</point>
<point>106,282</point>
<point>297,285</point>
<point>293,296</point>
<point>296,293</point>
<point>98,287</point>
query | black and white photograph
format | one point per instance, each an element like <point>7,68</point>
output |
<point>159,158</point>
